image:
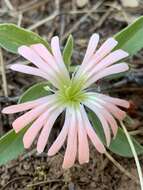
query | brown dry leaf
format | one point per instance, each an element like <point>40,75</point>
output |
<point>81,3</point>
<point>130,3</point>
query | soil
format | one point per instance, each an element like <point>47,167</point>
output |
<point>81,18</point>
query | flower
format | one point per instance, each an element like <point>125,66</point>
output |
<point>72,95</point>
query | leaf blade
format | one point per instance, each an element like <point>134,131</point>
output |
<point>130,38</point>
<point>12,37</point>
<point>67,52</point>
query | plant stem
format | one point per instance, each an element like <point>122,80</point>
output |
<point>134,154</point>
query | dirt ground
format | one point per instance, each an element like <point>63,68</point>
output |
<point>81,18</point>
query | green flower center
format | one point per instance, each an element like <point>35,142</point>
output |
<point>72,92</point>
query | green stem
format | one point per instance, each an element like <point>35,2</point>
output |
<point>134,154</point>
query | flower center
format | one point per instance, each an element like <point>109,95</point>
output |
<point>72,92</point>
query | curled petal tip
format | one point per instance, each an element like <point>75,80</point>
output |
<point>84,162</point>
<point>65,167</point>
<point>21,48</point>
<point>25,145</point>
<point>50,153</point>
<point>39,151</point>
<point>55,38</point>
<point>4,110</point>
<point>113,40</point>
<point>128,104</point>
<point>95,35</point>
<point>126,54</point>
<point>15,128</point>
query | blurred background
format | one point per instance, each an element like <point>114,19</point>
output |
<point>81,18</point>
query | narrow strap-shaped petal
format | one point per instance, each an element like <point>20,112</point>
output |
<point>107,46</point>
<point>102,120</point>
<point>33,57</point>
<point>44,53</point>
<point>112,122</point>
<point>28,105</point>
<point>28,117</point>
<point>71,150</point>
<point>91,133</point>
<point>32,71</point>
<point>112,108</point>
<point>58,56</point>
<point>58,143</point>
<point>113,57</point>
<point>83,147</point>
<point>35,128</point>
<point>114,69</point>
<point>44,135</point>
<point>116,101</point>
<point>92,45</point>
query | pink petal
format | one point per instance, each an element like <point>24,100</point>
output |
<point>28,117</point>
<point>115,111</point>
<point>93,42</point>
<point>43,138</point>
<point>113,57</point>
<point>83,147</point>
<point>116,101</point>
<point>43,52</point>
<point>71,150</point>
<point>100,54</point>
<point>112,122</point>
<point>29,70</point>
<point>28,105</point>
<point>35,128</point>
<point>112,108</point>
<point>33,57</point>
<point>91,133</point>
<point>58,56</point>
<point>114,69</point>
<point>106,48</point>
<point>58,143</point>
<point>106,98</point>
<point>102,119</point>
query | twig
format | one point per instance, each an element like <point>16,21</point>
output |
<point>82,19</point>
<point>4,80</point>
<point>9,5</point>
<point>121,168</point>
<point>44,182</point>
<point>104,17</point>
<point>43,21</point>
<point>13,180</point>
<point>29,6</point>
<point>19,19</point>
<point>134,154</point>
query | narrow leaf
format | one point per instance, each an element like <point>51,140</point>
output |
<point>130,38</point>
<point>12,37</point>
<point>67,52</point>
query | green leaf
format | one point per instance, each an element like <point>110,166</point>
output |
<point>34,92</point>
<point>130,38</point>
<point>67,52</point>
<point>120,144</point>
<point>11,144</point>
<point>12,37</point>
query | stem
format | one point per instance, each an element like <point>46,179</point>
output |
<point>134,154</point>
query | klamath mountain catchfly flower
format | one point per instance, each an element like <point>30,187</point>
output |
<point>70,94</point>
